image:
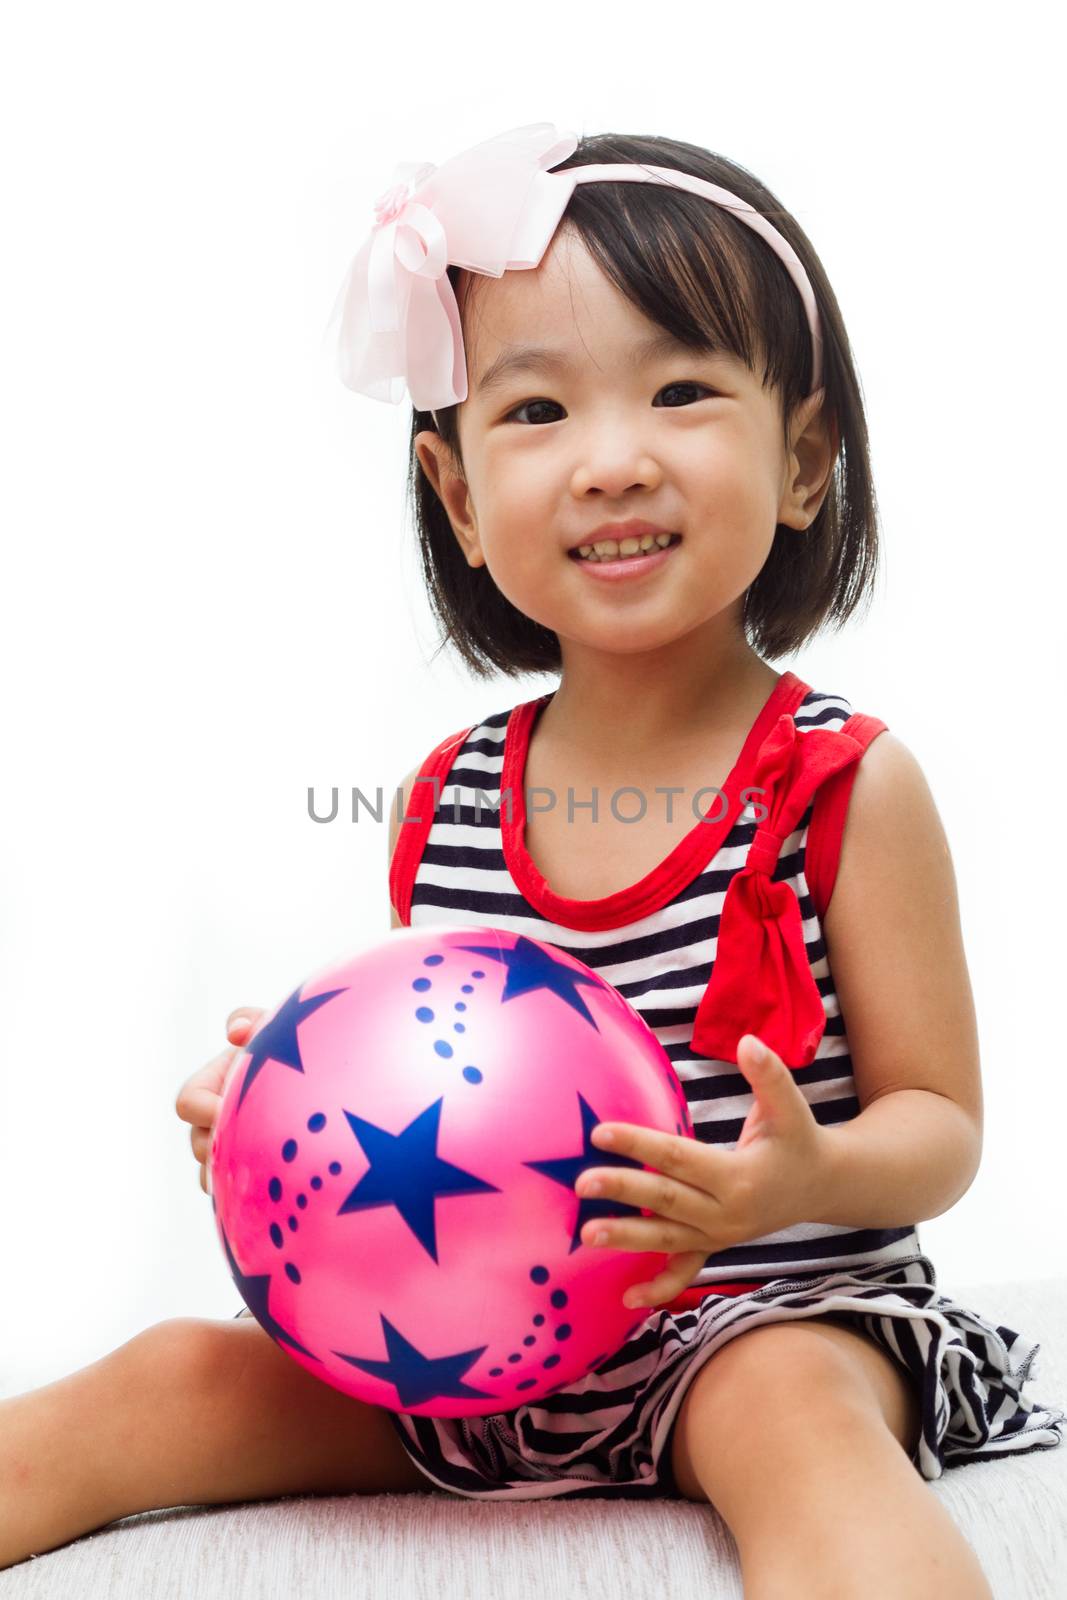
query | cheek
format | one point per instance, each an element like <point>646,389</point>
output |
<point>519,534</point>
<point>517,563</point>
<point>737,495</point>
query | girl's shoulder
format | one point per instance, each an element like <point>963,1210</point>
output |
<point>832,800</point>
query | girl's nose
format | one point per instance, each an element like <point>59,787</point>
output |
<point>614,469</point>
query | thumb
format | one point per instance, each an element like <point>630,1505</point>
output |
<point>767,1073</point>
<point>753,1056</point>
<point>754,1052</point>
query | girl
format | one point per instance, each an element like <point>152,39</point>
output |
<point>640,464</point>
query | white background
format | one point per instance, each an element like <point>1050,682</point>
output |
<point>210,594</point>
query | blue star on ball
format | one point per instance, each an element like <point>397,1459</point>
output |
<point>530,967</point>
<point>406,1172</point>
<point>277,1039</point>
<point>418,1378</point>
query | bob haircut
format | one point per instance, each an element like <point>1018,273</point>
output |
<point>713,283</point>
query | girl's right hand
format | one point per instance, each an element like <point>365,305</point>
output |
<point>200,1097</point>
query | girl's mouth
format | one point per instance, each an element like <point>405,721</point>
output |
<point>623,567</point>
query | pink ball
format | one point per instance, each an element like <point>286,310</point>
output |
<point>394,1163</point>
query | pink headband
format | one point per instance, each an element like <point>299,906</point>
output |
<point>490,209</point>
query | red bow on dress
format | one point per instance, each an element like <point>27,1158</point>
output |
<point>761,979</point>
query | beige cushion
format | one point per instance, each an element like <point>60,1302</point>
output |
<point>437,1546</point>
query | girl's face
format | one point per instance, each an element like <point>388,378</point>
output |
<point>600,430</point>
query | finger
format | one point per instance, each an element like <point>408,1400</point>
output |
<point>677,1275</point>
<point>212,1075</point>
<point>680,1202</point>
<point>680,1156</point>
<point>239,1023</point>
<point>197,1099</point>
<point>644,1233</point>
<point>200,1139</point>
<point>201,1108</point>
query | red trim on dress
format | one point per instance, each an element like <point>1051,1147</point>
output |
<point>689,1299</point>
<point>415,825</point>
<point>689,856</point>
<point>761,980</point>
<point>823,850</point>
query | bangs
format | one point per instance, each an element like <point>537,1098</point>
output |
<point>696,271</point>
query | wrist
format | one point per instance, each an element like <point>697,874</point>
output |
<point>827,1178</point>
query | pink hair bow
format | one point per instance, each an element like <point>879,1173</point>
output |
<point>491,208</point>
<point>487,209</point>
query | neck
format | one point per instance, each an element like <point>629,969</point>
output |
<point>615,707</point>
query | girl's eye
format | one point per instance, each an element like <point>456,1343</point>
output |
<point>525,403</point>
<point>691,384</point>
<point>668,388</point>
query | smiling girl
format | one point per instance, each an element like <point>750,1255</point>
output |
<point>640,465</point>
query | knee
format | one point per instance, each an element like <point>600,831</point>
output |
<point>194,1355</point>
<point>782,1369</point>
<point>758,1397</point>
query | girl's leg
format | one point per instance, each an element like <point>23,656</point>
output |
<point>842,1513</point>
<point>189,1412</point>
<point>789,1439</point>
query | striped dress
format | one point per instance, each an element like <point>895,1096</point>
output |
<point>462,859</point>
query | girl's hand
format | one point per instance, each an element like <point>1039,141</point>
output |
<point>200,1097</point>
<point>705,1199</point>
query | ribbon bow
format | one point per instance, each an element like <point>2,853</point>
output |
<point>761,980</point>
<point>488,209</point>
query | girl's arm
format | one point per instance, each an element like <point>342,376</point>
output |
<point>893,937</point>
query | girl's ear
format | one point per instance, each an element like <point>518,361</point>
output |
<point>810,461</point>
<point>450,487</point>
<point>430,449</point>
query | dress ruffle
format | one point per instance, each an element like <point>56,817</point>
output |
<point>609,1433</point>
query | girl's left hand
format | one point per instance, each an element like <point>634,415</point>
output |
<point>705,1199</point>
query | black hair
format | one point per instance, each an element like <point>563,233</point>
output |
<point>710,280</point>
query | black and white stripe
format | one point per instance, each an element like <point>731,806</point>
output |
<point>661,965</point>
<point>610,1434</point>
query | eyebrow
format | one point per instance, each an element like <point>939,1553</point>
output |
<point>543,358</point>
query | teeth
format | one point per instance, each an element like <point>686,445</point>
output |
<point>612,549</point>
